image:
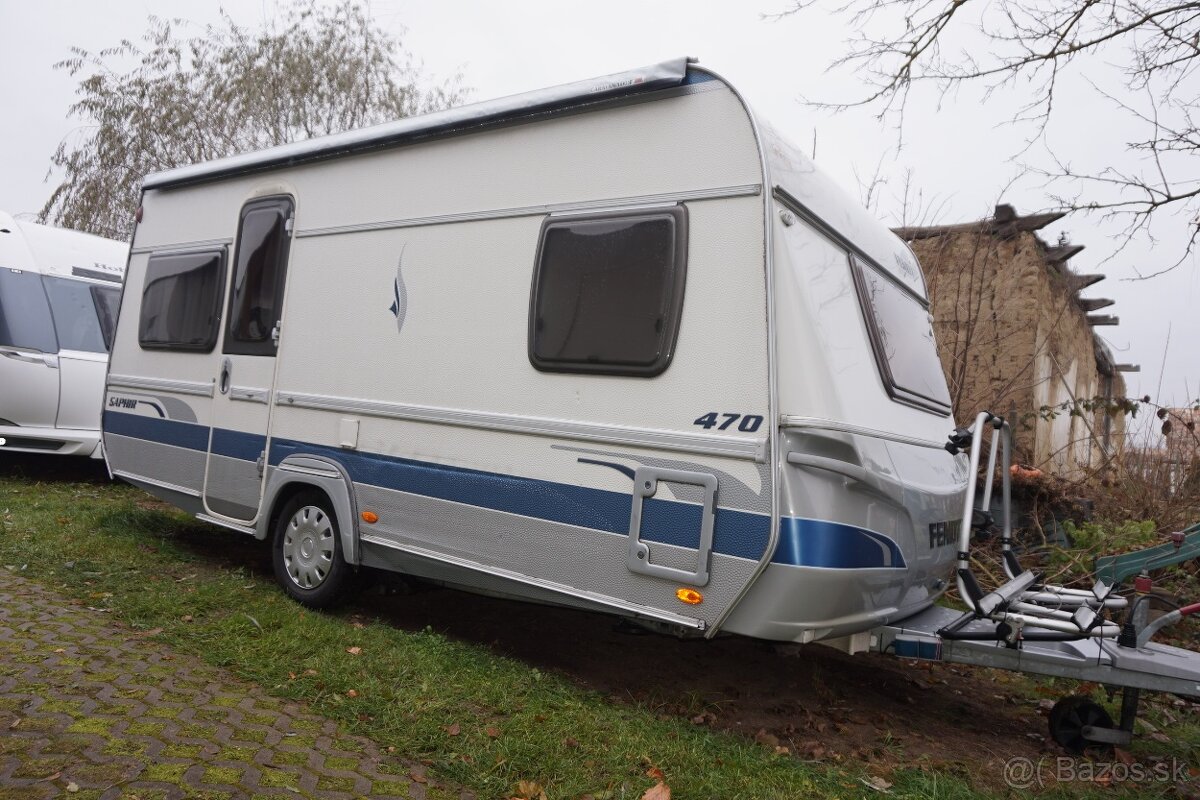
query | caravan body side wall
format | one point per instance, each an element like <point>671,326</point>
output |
<point>403,356</point>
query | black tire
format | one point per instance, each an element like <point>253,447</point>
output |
<point>1068,718</point>
<point>306,552</point>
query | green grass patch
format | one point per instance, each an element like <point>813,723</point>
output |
<point>153,569</point>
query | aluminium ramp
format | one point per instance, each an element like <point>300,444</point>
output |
<point>1154,667</point>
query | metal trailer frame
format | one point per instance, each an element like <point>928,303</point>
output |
<point>1027,626</point>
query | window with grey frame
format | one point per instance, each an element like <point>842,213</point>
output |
<point>608,292</point>
<point>181,301</point>
<point>260,264</point>
<point>901,333</point>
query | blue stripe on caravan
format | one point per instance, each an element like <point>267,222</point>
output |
<point>236,444</point>
<point>735,533</point>
<point>164,431</point>
<point>802,542</point>
<point>817,543</point>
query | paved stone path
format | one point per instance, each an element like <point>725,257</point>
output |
<point>90,710</point>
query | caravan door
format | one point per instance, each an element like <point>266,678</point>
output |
<point>241,415</point>
<point>28,352</point>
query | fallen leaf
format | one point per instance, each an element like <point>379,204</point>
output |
<point>1123,756</point>
<point>570,742</point>
<point>291,676</point>
<point>530,790</point>
<point>352,693</point>
<point>659,791</point>
<point>186,618</point>
<point>417,776</point>
<point>494,732</point>
<point>762,737</point>
<point>877,783</point>
<point>144,634</point>
<point>310,672</point>
<point>354,651</point>
<point>453,729</point>
<point>656,774</point>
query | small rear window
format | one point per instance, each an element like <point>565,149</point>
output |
<point>608,292</point>
<point>181,301</point>
<point>901,334</point>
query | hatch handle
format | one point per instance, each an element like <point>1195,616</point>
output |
<point>226,371</point>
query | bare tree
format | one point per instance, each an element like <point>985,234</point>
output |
<point>1029,45</point>
<point>170,101</point>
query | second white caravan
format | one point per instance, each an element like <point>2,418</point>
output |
<point>59,291</point>
<point>616,345</point>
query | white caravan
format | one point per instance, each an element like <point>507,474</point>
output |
<point>59,291</point>
<point>615,345</point>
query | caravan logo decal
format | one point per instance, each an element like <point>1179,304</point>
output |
<point>399,305</point>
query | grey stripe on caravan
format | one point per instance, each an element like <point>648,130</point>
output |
<point>171,487</point>
<point>248,394</point>
<point>600,599</point>
<point>198,388</point>
<point>746,190</point>
<point>181,247</point>
<point>733,447</point>
<point>844,427</point>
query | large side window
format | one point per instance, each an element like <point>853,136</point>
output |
<point>902,338</point>
<point>77,314</point>
<point>25,320</point>
<point>608,292</point>
<point>256,301</point>
<point>181,301</point>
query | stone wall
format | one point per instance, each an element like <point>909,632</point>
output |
<point>1014,337</point>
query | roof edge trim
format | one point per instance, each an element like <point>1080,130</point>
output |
<point>663,75</point>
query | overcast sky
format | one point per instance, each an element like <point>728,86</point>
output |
<point>960,155</point>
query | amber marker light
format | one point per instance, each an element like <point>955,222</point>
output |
<point>370,517</point>
<point>689,596</point>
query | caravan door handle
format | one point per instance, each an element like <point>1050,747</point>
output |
<point>226,371</point>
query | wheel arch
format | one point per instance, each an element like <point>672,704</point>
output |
<point>299,473</point>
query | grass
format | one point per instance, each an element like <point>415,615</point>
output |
<point>475,718</point>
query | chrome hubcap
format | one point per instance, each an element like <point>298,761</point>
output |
<point>308,547</point>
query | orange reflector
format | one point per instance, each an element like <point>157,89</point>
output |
<point>689,596</point>
<point>370,516</point>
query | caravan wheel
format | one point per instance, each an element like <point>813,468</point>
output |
<point>308,552</point>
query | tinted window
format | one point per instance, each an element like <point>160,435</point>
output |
<point>181,301</point>
<point>76,316</point>
<point>25,319</point>
<point>902,337</point>
<point>107,301</point>
<point>257,297</point>
<point>608,293</point>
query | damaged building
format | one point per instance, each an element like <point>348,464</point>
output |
<point>1016,336</point>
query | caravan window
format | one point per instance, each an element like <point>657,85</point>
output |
<point>181,301</point>
<point>80,311</point>
<point>608,291</point>
<point>257,297</point>
<point>902,337</point>
<point>24,313</point>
